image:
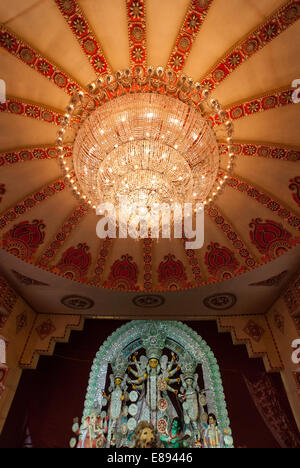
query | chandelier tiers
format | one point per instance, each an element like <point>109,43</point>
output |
<point>152,136</point>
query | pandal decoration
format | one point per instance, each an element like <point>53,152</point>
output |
<point>149,371</point>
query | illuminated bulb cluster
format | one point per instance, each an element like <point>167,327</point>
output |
<point>150,146</point>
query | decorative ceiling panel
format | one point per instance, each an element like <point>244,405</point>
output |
<point>245,50</point>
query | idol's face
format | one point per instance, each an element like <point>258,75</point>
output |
<point>118,381</point>
<point>189,382</point>
<point>211,421</point>
<point>153,363</point>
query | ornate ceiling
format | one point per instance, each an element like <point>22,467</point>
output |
<point>246,54</point>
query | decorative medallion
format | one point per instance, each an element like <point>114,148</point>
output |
<point>133,396</point>
<point>123,274</point>
<point>254,330</point>
<point>24,239</point>
<point>131,424</point>
<point>172,274</point>
<point>162,404</point>
<point>221,262</point>
<point>148,300</point>
<point>78,302</point>
<point>75,263</point>
<point>162,425</point>
<point>132,409</point>
<point>273,281</point>
<point>222,301</point>
<point>45,329</point>
<point>270,238</point>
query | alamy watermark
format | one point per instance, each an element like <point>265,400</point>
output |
<point>296,93</point>
<point>2,92</point>
<point>138,221</point>
<point>296,353</point>
<point>2,351</point>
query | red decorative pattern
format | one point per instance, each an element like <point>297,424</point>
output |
<point>254,330</point>
<point>194,264</point>
<point>228,230</point>
<point>263,151</point>
<point>34,111</point>
<point>35,60</point>
<point>221,262</point>
<point>2,191</point>
<point>267,401</point>
<point>123,274</point>
<point>271,239</point>
<point>96,280</point>
<point>21,322</point>
<point>172,274</point>
<point>262,103</point>
<point>45,329</point>
<point>29,202</point>
<point>194,18</point>
<point>29,154</point>
<point>24,239</point>
<point>8,299</point>
<point>75,263</point>
<point>295,187</point>
<point>266,200</point>
<point>147,247</point>
<point>84,34</point>
<point>136,15</point>
<point>274,25</point>
<point>62,235</point>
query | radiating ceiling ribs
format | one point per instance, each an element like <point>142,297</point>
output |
<point>194,18</point>
<point>255,149</point>
<point>136,19</point>
<point>68,226</point>
<point>254,41</point>
<point>194,263</point>
<point>97,277</point>
<point>31,153</point>
<point>30,201</point>
<point>36,60</point>
<point>242,248</point>
<point>84,34</point>
<point>271,202</point>
<point>37,111</point>
<point>267,101</point>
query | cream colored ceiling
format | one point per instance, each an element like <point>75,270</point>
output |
<point>41,24</point>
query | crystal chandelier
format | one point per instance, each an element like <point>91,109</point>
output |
<point>150,136</point>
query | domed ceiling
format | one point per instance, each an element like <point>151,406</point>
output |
<point>246,53</point>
